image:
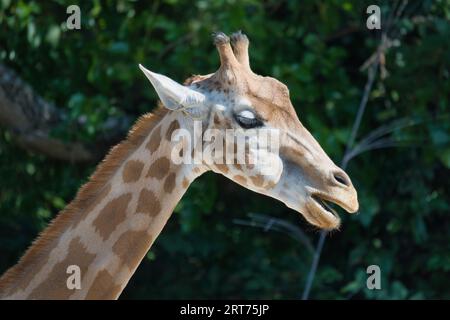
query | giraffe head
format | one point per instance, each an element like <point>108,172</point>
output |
<point>236,101</point>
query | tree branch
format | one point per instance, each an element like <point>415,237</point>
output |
<point>372,64</point>
<point>30,119</point>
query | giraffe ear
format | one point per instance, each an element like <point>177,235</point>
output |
<point>172,94</point>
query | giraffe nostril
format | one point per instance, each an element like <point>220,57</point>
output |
<point>342,178</point>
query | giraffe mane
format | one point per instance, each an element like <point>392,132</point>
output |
<point>84,197</point>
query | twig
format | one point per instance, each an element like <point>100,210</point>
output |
<point>314,265</point>
<point>268,223</point>
<point>372,71</point>
<point>356,125</point>
<point>379,144</point>
<point>174,44</point>
<point>385,129</point>
<point>362,107</point>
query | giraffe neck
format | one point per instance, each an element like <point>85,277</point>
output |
<point>112,223</point>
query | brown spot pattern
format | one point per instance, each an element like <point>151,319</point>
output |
<point>159,168</point>
<point>240,179</point>
<point>257,180</point>
<point>172,127</point>
<point>155,140</point>
<point>30,274</point>
<point>148,203</point>
<point>271,185</point>
<point>112,215</point>
<point>103,287</point>
<point>238,166</point>
<point>169,184</point>
<point>222,168</point>
<point>185,183</point>
<point>140,241</point>
<point>132,171</point>
<point>55,285</point>
<point>98,199</point>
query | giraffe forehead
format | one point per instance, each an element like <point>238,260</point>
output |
<point>268,96</point>
<point>273,111</point>
<point>257,91</point>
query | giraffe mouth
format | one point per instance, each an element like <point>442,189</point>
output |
<point>322,213</point>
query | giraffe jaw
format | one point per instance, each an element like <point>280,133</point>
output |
<point>312,199</point>
<point>322,214</point>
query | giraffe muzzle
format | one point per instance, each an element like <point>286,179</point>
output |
<point>319,205</point>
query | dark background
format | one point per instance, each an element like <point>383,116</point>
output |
<point>317,48</point>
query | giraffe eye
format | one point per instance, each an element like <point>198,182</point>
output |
<point>248,120</point>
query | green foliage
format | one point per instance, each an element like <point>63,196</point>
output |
<point>316,48</point>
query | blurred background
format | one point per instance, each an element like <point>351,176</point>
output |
<point>66,96</point>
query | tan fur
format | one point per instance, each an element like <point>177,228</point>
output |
<point>148,203</point>
<point>138,241</point>
<point>169,184</point>
<point>172,127</point>
<point>57,289</point>
<point>103,287</point>
<point>132,171</point>
<point>257,180</point>
<point>222,168</point>
<point>112,215</point>
<point>185,182</point>
<point>159,168</point>
<point>240,179</point>
<point>155,139</point>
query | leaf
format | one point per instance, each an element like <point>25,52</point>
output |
<point>53,35</point>
<point>444,156</point>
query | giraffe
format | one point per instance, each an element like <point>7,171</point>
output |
<point>116,216</point>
